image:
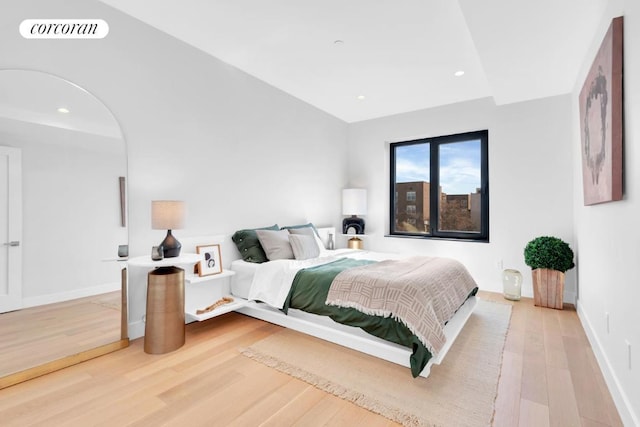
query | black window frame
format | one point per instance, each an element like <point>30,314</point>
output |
<point>434,146</point>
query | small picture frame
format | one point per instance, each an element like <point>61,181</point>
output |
<point>211,262</point>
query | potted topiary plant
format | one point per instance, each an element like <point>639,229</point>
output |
<point>549,258</point>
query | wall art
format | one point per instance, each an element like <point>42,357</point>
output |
<point>601,121</point>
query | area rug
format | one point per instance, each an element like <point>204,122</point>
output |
<point>459,392</point>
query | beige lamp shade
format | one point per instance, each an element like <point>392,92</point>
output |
<point>167,214</point>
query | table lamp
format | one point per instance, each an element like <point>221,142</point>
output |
<point>354,203</point>
<point>168,215</point>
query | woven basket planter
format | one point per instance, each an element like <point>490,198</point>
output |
<point>548,288</point>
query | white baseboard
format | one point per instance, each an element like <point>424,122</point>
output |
<point>70,295</point>
<point>570,297</point>
<point>136,329</point>
<point>625,409</point>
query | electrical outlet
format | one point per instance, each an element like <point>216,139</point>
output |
<point>606,318</point>
<point>628,352</point>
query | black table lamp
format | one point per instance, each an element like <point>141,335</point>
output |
<point>168,215</point>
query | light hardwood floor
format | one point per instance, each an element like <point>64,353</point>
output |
<point>549,377</point>
<point>37,335</point>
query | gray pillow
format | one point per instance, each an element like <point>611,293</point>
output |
<point>304,246</point>
<point>306,227</point>
<point>307,231</point>
<point>275,244</point>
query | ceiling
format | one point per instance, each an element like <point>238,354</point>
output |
<point>362,59</point>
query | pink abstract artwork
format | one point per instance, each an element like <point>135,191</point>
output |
<point>601,121</point>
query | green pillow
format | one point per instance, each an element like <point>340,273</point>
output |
<point>248,244</point>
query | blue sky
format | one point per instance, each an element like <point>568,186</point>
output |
<point>459,165</point>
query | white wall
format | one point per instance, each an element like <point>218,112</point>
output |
<point>238,151</point>
<point>530,180</point>
<point>608,236</point>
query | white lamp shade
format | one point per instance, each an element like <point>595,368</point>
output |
<point>167,214</point>
<point>354,201</point>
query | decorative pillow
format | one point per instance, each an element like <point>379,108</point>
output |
<point>309,230</point>
<point>304,246</point>
<point>302,226</point>
<point>275,244</point>
<point>306,231</point>
<point>249,246</point>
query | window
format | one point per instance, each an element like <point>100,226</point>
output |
<point>446,183</point>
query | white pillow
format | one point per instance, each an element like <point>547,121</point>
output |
<point>304,246</point>
<point>275,244</point>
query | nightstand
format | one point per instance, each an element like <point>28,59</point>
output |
<point>203,291</point>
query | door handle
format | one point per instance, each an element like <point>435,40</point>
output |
<point>13,243</point>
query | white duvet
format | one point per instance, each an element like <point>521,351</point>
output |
<point>272,280</point>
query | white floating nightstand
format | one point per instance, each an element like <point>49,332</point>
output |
<point>203,291</point>
<point>193,278</point>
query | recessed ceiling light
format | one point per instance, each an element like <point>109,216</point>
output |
<point>459,73</point>
<point>338,42</point>
<point>361,97</point>
<point>63,110</point>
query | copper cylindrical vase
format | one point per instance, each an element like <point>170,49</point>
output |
<point>164,326</point>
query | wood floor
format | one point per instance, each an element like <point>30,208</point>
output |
<point>549,377</point>
<point>37,335</point>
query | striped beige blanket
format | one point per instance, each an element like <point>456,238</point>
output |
<point>421,292</point>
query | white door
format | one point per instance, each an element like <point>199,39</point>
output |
<point>10,229</point>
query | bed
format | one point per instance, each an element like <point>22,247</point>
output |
<point>314,295</point>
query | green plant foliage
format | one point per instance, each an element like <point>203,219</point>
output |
<point>548,252</point>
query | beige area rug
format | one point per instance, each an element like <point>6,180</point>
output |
<point>459,392</point>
